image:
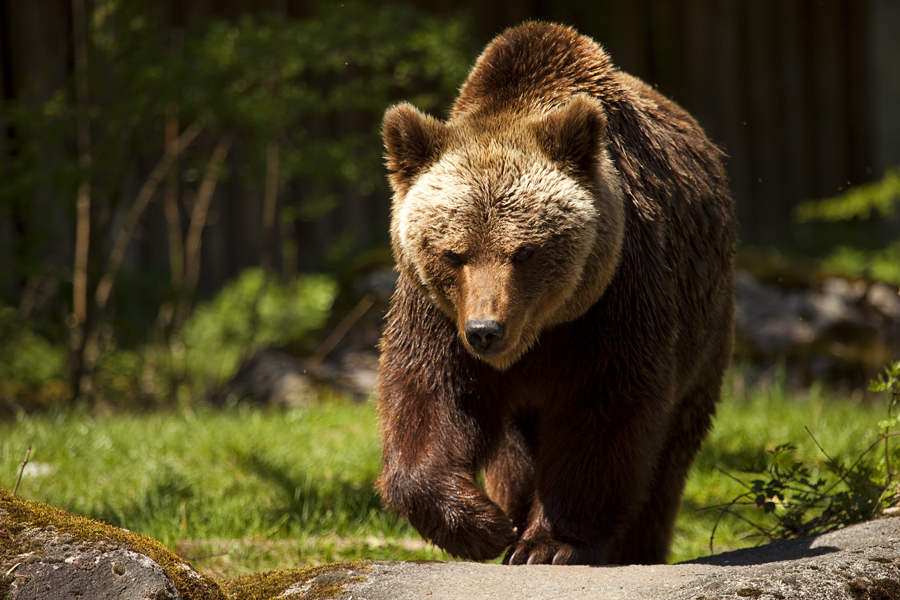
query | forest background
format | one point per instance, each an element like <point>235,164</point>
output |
<point>152,155</point>
<point>184,184</point>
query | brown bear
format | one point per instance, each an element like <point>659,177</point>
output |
<point>564,309</point>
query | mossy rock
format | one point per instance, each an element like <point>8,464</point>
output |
<point>32,533</point>
<point>820,326</point>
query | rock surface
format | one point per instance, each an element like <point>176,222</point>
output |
<point>94,571</point>
<point>48,554</point>
<point>856,563</point>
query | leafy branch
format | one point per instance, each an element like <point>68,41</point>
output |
<point>857,202</point>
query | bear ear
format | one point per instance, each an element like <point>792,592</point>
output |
<point>573,134</point>
<point>413,141</point>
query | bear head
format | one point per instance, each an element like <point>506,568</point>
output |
<point>508,221</point>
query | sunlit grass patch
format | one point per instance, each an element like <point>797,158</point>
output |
<point>199,475</point>
<point>246,489</point>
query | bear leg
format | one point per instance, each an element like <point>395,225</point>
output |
<point>647,539</point>
<point>509,475</point>
<point>592,474</point>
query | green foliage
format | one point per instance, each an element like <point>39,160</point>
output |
<point>317,86</point>
<point>320,86</point>
<point>859,202</point>
<point>889,382</point>
<point>249,314</point>
<point>853,228</point>
<point>755,405</point>
<point>795,497</point>
<point>32,370</point>
<point>883,264</point>
<point>284,312</point>
<point>24,354</point>
<point>794,502</point>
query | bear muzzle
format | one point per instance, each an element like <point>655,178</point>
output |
<point>485,336</point>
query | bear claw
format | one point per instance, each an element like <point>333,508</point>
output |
<point>552,552</point>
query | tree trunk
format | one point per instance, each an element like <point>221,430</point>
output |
<point>82,383</point>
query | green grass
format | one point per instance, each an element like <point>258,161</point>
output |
<point>295,487</point>
<point>243,490</point>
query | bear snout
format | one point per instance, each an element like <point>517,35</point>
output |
<point>484,335</point>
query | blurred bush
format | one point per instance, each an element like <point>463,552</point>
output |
<point>857,231</point>
<point>32,370</point>
<point>249,313</point>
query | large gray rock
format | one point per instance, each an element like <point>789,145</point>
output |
<point>56,568</point>
<point>856,563</point>
<point>47,553</point>
<point>836,330</point>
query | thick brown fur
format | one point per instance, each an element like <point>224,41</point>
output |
<point>584,222</point>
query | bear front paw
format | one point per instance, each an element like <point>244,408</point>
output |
<point>480,536</point>
<point>544,549</point>
<point>546,553</point>
<point>456,516</point>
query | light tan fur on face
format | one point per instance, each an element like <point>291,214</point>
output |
<point>493,191</point>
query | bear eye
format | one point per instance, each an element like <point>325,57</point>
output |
<point>523,254</point>
<point>452,258</point>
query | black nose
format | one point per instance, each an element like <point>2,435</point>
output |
<point>484,335</point>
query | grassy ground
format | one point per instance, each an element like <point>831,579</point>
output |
<point>246,489</point>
